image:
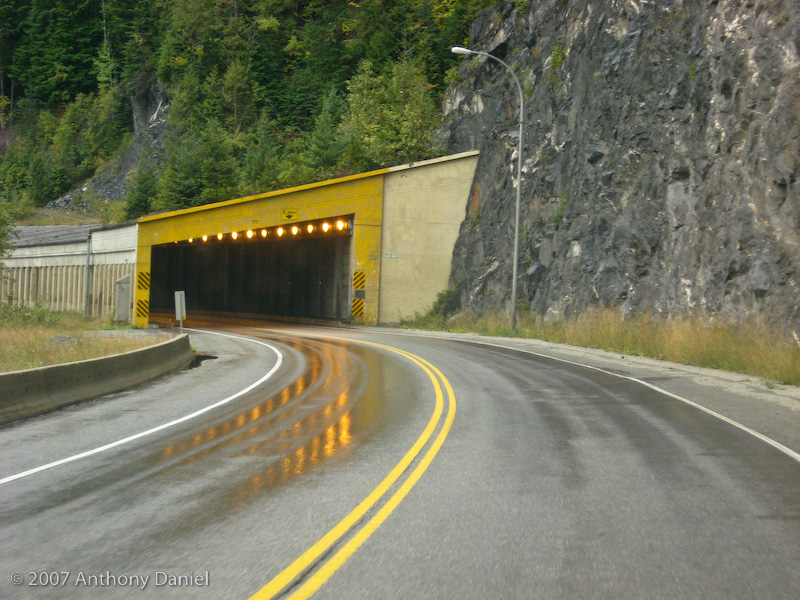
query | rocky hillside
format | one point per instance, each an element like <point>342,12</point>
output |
<point>661,155</point>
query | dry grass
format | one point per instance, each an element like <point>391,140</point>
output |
<point>44,216</point>
<point>752,348</point>
<point>32,338</point>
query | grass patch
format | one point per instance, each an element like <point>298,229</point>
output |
<point>45,216</point>
<point>751,348</point>
<point>36,337</point>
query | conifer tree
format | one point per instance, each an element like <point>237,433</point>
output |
<point>58,45</point>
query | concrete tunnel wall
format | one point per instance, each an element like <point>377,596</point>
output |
<point>402,223</point>
<point>423,208</point>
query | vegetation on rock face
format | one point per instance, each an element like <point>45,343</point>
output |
<point>261,94</point>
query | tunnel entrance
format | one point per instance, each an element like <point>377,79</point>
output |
<point>300,270</point>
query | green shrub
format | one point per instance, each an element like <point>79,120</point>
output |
<point>15,315</point>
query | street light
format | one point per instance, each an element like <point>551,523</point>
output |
<point>467,52</point>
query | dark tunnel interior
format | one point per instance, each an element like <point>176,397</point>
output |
<point>290,277</point>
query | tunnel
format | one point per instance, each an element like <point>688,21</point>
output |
<point>300,270</point>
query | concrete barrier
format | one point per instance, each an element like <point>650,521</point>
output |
<point>34,391</point>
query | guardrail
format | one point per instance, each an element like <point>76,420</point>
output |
<point>32,392</point>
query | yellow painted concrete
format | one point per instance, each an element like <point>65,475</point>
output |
<point>358,195</point>
<point>141,286</point>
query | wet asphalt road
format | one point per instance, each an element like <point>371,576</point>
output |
<point>552,481</point>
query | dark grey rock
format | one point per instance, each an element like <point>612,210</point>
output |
<point>63,339</point>
<point>661,158</point>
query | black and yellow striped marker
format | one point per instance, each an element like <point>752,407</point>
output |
<point>359,293</point>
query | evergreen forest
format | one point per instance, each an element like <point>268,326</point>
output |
<point>261,94</point>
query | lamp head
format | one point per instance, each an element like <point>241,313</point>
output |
<point>460,50</point>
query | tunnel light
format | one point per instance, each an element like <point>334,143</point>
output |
<point>340,225</point>
<point>220,236</point>
<point>326,227</point>
<point>263,233</point>
<point>310,229</point>
<point>191,240</point>
<point>295,229</point>
<point>234,235</point>
<point>279,231</point>
<point>205,238</point>
<point>249,234</point>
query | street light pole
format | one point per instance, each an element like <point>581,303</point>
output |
<point>515,266</point>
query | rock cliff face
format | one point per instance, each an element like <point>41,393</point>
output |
<point>661,154</point>
<point>150,109</point>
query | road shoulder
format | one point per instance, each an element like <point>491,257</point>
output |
<point>771,410</point>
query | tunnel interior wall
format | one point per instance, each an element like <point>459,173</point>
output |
<point>290,278</point>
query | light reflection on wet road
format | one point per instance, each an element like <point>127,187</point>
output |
<point>307,422</point>
<point>555,481</point>
<point>329,400</point>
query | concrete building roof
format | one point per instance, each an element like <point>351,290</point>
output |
<point>49,235</point>
<point>44,235</point>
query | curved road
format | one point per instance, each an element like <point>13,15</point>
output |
<point>355,463</point>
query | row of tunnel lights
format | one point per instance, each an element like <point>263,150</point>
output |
<point>325,227</point>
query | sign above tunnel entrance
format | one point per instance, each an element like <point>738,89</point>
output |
<point>288,214</point>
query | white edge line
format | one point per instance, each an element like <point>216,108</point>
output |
<point>775,444</point>
<point>142,434</point>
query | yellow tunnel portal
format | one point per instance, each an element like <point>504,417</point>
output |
<point>368,248</point>
<point>290,253</point>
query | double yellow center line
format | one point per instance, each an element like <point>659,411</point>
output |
<point>319,576</point>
